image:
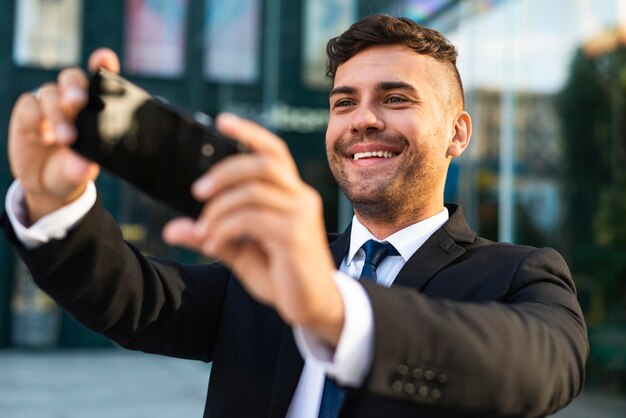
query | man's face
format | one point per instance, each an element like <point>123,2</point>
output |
<point>391,121</point>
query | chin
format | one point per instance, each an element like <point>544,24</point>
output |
<point>361,196</point>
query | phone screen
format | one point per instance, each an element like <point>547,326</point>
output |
<point>150,144</point>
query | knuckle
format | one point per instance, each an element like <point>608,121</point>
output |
<point>48,95</point>
<point>282,147</point>
<point>262,163</point>
<point>26,110</point>
<point>253,191</point>
<point>70,73</point>
<point>312,197</point>
<point>48,87</point>
<point>264,166</point>
<point>24,100</point>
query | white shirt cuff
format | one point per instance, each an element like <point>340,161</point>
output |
<point>350,362</point>
<point>52,226</point>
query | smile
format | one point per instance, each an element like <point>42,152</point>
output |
<point>373,154</point>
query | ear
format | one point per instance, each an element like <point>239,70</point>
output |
<point>461,135</point>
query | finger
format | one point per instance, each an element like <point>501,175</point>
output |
<point>242,168</point>
<point>245,258</point>
<point>73,84</point>
<point>26,118</point>
<point>105,58</point>
<point>260,196</point>
<point>180,232</point>
<point>66,171</point>
<point>56,126</point>
<point>241,226</point>
<point>256,137</point>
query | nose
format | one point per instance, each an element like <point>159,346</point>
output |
<point>365,120</point>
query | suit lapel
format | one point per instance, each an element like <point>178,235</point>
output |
<point>290,363</point>
<point>288,369</point>
<point>339,245</point>
<point>441,249</point>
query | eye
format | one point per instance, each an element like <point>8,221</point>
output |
<point>343,103</point>
<point>395,99</point>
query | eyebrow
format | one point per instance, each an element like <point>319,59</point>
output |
<point>395,85</point>
<point>342,90</point>
<point>383,86</point>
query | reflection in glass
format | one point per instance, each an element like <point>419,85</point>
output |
<point>48,34</point>
<point>155,37</point>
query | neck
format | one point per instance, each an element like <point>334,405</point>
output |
<point>381,229</point>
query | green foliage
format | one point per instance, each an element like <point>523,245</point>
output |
<point>591,108</point>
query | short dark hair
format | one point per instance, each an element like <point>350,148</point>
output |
<point>382,29</point>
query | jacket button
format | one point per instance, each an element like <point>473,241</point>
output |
<point>435,394</point>
<point>397,386</point>
<point>403,370</point>
<point>443,379</point>
<point>418,374</point>
<point>429,375</point>
<point>409,389</point>
<point>424,391</point>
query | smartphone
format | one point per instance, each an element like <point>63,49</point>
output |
<point>147,142</point>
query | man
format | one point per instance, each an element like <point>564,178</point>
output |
<point>467,327</point>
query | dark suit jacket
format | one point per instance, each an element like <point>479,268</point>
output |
<point>469,327</point>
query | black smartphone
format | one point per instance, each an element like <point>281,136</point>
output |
<point>144,140</point>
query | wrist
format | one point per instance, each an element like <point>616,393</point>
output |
<point>38,205</point>
<point>328,323</point>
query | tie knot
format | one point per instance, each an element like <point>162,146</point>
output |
<point>376,251</point>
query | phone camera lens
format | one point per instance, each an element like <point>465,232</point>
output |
<point>207,150</point>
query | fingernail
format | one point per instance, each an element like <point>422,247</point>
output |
<point>203,186</point>
<point>64,133</point>
<point>75,94</point>
<point>228,118</point>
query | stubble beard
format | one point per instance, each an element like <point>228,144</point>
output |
<point>388,198</point>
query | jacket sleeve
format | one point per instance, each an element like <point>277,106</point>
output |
<point>521,355</point>
<point>142,303</point>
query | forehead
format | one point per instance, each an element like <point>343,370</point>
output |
<point>390,63</point>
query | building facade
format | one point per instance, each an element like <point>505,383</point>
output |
<point>544,83</point>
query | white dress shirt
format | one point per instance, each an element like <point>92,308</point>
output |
<point>349,362</point>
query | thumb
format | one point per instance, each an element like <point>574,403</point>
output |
<point>104,57</point>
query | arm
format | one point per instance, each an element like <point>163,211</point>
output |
<point>40,132</point>
<point>141,303</point>
<point>261,219</point>
<point>522,355</point>
<point>267,225</point>
<point>99,279</point>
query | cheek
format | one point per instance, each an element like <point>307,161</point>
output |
<point>328,140</point>
<point>332,135</point>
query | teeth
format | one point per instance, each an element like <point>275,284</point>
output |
<point>380,154</point>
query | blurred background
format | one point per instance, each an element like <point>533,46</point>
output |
<point>545,83</point>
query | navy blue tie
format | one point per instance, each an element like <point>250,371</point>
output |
<point>375,252</point>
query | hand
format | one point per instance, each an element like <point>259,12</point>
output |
<point>263,221</point>
<point>40,132</point>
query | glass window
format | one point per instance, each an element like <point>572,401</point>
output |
<point>48,34</point>
<point>155,37</point>
<point>546,87</point>
<point>232,34</point>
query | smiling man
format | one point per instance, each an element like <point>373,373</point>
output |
<point>393,130</point>
<point>440,323</point>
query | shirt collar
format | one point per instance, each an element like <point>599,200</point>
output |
<point>407,240</point>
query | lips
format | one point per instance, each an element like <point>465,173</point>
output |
<point>368,150</point>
